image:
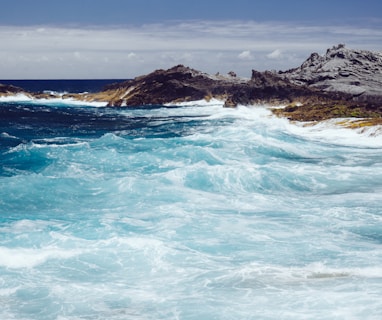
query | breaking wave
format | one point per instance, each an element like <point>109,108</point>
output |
<point>186,212</point>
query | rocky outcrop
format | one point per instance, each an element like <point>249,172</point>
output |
<point>181,83</point>
<point>357,73</point>
<point>350,81</point>
<point>342,75</point>
<point>177,84</point>
<point>298,89</point>
<point>8,90</point>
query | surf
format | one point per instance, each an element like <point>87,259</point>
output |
<point>186,211</point>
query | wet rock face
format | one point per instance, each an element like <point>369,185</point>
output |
<point>354,72</point>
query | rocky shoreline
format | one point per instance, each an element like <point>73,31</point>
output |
<point>343,83</point>
<point>9,90</point>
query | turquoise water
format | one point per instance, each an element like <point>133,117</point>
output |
<point>189,212</point>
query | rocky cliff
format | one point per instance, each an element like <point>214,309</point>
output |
<point>354,72</point>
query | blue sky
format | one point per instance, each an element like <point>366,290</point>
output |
<point>123,38</point>
<point>117,12</point>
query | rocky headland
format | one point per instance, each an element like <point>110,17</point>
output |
<point>351,79</point>
<point>180,84</point>
<point>357,73</point>
<point>342,83</point>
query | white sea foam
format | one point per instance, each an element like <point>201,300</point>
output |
<point>24,225</point>
<point>331,131</point>
<point>17,98</point>
<point>51,101</point>
<point>242,213</point>
<point>203,102</point>
<point>29,258</point>
<point>69,101</point>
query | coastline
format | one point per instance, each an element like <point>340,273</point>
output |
<point>340,85</point>
<point>368,127</point>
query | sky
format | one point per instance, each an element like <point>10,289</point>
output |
<point>120,39</point>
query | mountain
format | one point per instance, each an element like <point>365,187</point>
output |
<point>354,72</point>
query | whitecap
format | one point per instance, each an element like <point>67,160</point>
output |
<point>52,101</point>
<point>329,131</point>
<point>20,97</point>
<point>16,258</point>
<point>6,135</point>
<point>202,102</point>
<point>69,102</point>
<point>333,131</point>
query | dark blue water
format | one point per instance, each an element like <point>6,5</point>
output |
<point>72,86</point>
<point>188,212</point>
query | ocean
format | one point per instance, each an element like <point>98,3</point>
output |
<point>192,211</point>
<point>62,85</point>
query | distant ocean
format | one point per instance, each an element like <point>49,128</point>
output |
<point>191,211</point>
<point>66,85</point>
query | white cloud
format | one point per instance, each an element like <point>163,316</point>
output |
<point>276,54</point>
<point>123,52</point>
<point>131,55</point>
<point>246,55</point>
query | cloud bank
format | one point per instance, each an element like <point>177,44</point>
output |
<point>124,52</point>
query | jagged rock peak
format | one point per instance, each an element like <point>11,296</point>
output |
<point>182,68</point>
<point>355,72</point>
<point>340,56</point>
<point>341,52</point>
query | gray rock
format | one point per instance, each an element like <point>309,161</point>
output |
<point>343,70</point>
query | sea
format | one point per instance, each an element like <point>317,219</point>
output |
<point>188,211</point>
